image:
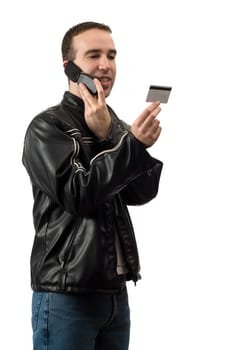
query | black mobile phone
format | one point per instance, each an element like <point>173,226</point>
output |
<point>158,93</point>
<point>76,75</point>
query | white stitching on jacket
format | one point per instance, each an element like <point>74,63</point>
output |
<point>110,150</point>
<point>78,165</point>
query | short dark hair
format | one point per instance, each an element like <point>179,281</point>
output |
<point>67,50</point>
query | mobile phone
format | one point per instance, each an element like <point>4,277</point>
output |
<point>158,93</point>
<point>75,74</point>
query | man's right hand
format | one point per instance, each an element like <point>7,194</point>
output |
<point>97,116</point>
<point>146,127</point>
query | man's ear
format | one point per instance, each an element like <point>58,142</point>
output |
<point>65,62</point>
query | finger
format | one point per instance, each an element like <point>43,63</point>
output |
<point>85,94</point>
<point>144,115</point>
<point>100,91</point>
<point>154,137</point>
<point>83,90</point>
<point>151,119</point>
<point>157,133</point>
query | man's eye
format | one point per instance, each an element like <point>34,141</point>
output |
<point>93,56</point>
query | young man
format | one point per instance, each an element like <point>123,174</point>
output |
<point>86,166</point>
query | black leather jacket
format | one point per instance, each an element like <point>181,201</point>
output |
<point>81,188</point>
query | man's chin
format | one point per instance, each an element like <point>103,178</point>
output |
<point>107,92</point>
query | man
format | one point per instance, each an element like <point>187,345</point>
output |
<point>86,166</point>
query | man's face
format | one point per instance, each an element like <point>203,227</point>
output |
<point>95,55</point>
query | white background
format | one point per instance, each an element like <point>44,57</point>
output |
<point>185,236</point>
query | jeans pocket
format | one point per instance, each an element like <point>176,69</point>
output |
<point>36,305</point>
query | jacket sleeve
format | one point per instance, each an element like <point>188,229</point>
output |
<point>144,188</point>
<point>53,159</point>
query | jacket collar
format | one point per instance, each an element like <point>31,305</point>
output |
<point>72,100</point>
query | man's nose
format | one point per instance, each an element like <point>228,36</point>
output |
<point>104,63</point>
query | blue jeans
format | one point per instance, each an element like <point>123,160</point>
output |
<point>80,322</point>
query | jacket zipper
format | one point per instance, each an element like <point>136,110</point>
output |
<point>65,257</point>
<point>131,237</point>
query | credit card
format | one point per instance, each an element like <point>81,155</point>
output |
<point>158,93</point>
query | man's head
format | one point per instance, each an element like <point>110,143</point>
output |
<point>91,47</point>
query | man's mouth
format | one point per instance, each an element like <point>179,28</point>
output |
<point>105,81</point>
